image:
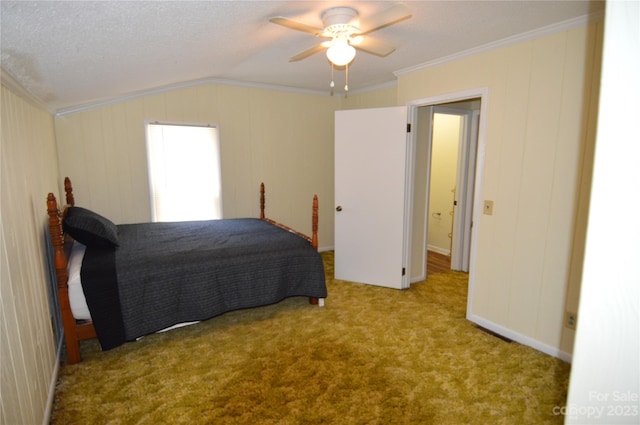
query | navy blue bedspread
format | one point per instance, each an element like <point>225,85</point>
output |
<point>163,274</point>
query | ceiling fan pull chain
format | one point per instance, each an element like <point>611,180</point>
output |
<point>333,84</point>
<point>346,80</point>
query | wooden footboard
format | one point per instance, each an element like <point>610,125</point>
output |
<point>313,240</point>
<point>76,331</point>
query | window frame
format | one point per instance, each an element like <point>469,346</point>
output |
<point>150,165</point>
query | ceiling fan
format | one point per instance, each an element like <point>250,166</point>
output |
<point>347,32</point>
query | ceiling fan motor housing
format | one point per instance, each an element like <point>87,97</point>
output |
<point>339,20</point>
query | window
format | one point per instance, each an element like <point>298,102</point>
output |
<point>184,172</point>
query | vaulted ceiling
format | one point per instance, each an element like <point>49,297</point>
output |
<point>71,53</point>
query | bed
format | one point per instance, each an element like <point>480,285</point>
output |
<point>121,282</point>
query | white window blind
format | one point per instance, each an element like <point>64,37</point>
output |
<point>184,172</point>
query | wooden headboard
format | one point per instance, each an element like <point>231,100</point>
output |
<point>74,331</point>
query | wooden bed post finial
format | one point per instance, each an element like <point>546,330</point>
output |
<point>55,228</point>
<point>68,190</point>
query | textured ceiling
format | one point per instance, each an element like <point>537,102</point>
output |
<point>71,53</point>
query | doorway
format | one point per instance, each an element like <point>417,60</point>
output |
<point>452,178</point>
<point>446,139</point>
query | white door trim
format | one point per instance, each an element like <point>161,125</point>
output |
<point>483,94</point>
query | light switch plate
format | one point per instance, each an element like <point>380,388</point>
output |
<point>488,208</point>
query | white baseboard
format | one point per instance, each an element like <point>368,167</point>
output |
<point>52,385</point>
<point>438,250</point>
<point>519,338</point>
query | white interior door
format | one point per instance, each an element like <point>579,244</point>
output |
<point>371,236</point>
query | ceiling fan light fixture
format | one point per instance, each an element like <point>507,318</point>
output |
<point>341,53</point>
<point>344,30</point>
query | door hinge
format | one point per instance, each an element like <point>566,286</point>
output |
<point>404,271</point>
<point>408,127</point>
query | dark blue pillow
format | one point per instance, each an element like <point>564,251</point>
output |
<point>90,229</point>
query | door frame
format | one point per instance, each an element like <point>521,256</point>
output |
<point>481,93</point>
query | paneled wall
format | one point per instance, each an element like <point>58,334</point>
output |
<point>283,139</point>
<point>28,171</point>
<point>540,132</point>
<point>379,98</point>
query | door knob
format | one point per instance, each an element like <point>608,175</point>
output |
<point>339,208</point>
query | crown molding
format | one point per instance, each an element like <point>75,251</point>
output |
<point>12,84</point>
<point>194,83</point>
<point>525,36</point>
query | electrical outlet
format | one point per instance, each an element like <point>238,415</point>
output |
<point>570,320</point>
<point>488,208</point>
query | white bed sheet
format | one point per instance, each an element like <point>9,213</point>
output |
<point>77,300</point>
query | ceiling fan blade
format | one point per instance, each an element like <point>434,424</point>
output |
<point>315,49</point>
<point>375,47</point>
<point>299,26</point>
<point>393,15</point>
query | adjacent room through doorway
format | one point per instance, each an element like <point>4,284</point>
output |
<point>446,139</point>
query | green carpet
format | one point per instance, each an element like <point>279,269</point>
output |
<point>371,356</point>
